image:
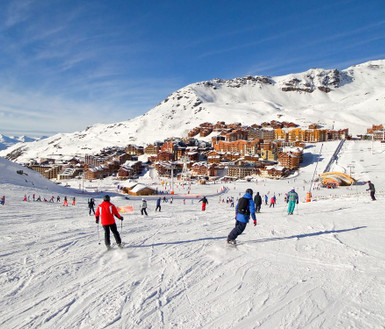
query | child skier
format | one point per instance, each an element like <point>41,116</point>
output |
<point>91,204</point>
<point>143,208</point>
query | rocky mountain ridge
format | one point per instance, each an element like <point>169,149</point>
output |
<point>352,98</point>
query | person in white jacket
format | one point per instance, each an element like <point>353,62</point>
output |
<point>143,208</point>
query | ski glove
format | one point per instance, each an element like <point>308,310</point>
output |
<point>121,218</point>
<point>255,223</point>
<point>97,220</point>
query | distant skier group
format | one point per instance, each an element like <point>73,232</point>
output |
<point>246,208</point>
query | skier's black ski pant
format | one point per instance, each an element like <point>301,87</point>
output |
<point>114,231</point>
<point>372,195</point>
<point>237,230</point>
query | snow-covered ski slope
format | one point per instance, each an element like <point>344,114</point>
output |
<point>323,267</point>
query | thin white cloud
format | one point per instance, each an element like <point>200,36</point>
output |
<point>17,12</point>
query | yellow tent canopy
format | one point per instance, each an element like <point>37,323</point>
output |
<point>338,178</point>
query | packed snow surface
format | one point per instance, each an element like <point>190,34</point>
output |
<point>323,267</point>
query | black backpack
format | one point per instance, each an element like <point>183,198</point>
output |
<point>243,206</point>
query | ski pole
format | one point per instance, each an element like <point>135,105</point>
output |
<point>98,234</point>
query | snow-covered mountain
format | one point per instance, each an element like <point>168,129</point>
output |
<point>352,98</point>
<point>7,141</point>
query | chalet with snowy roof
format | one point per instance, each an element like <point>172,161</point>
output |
<point>70,172</point>
<point>242,169</point>
<point>164,168</point>
<point>153,148</point>
<point>199,169</point>
<point>134,149</point>
<point>138,189</point>
<point>251,157</point>
<point>213,157</point>
<point>166,156</point>
<point>95,173</point>
<point>204,169</point>
<point>130,169</point>
<point>274,172</point>
<point>205,132</point>
<point>192,154</point>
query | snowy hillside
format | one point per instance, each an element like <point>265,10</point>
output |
<point>351,98</point>
<point>16,175</point>
<point>323,267</point>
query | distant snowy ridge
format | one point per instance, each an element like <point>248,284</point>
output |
<point>352,98</point>
<point>7,141</point>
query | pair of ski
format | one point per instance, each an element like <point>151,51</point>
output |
<point>112,247</point>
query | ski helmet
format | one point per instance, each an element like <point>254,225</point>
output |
<point>106,198</point>
<point>250,191</point>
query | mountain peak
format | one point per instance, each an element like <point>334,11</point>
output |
<point>351,98</point>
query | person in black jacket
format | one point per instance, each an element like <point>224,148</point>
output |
<point>91,205</point>
<point>204,202</point>
<point>257,202</point>
<point>372,190</point>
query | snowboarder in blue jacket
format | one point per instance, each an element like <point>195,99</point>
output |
<point>242,216</point>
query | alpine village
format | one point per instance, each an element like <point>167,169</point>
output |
<point>270,150</point>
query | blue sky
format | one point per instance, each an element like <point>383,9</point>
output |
<point>67,64</point>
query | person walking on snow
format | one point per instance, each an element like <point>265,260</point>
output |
<point>91,205</point>
<point>65,203</point>
<point>272,201</point>
<point>243,210</point>
<point>257,202</point>
<point>143,208</point>
<point>204,202</point>
<point>106,211</point>
<point>158,204</point>
<point>372,190</point>
<point>292,198</point>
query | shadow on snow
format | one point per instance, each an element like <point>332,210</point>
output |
<point>307,235</point>
<point>298,236</point>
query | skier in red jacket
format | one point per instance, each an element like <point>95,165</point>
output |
<point>106,210</point>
